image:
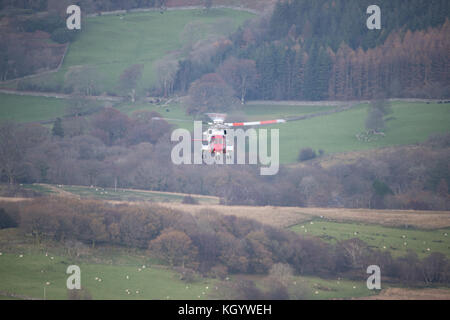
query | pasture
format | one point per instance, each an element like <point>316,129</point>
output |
<point>111,43</point>
<point>120,194</point>
<point>396,240</point>
<point>30,109</point>
<point>26,270</point>
<point>410,123</point>
<point>30,274</point>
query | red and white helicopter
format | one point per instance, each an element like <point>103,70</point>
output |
<point>216,136</point>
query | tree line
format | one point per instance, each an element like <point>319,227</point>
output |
<point>210,243</point>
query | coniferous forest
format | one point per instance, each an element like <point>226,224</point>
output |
<point>323,50</point>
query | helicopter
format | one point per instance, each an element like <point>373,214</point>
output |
<point>216,135</point>
<point>218,142</point>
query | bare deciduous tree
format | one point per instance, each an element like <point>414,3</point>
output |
<point>166,70</point>
<point>129,79</point>
<point>241,74</point>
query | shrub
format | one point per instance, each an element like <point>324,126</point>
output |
<point>189,200</point>
<point>306,154</point>
<point>6,220</point>
<point>63,35</point>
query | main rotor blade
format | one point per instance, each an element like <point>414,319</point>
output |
<point>170,119</point>
<point>255,123</point>
<point>178,120</point>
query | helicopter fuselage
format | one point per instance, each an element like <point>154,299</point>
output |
<point>217,140</point>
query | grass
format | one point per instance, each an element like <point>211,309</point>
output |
<point>323,289</point>
<point>132,195</point>
<point>29,109</point>
<point>379,237</point>
<point>29,275</point>
<point>315,288</point>
<point>112,43</point>
<point>26,276</point>
<point>410,123</point>
<point>42,189</point>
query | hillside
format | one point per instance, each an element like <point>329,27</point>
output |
<point>319,50</point>
<point>149,40</point>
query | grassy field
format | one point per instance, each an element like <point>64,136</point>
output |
<point>133,195</point>
<point>29,109</point>
<point>410,123</point>
<point>119,195</point>
<point>26,270</point>
<point>30,274</point>
<point>112,43</point>
<point>396,240</point>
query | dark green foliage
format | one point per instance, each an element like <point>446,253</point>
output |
<point>6,220</point>
<point>189,200</point>
<point>57,129</point>
<point>378,109</point>
<point>332,22</point>
<point>63,35</point>
<point>48,23</point>
<point>31,5</point>
<point>88,5</point>
<point>306,154</point>
<point>381,189</point>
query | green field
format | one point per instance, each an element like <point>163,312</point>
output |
<point>118,195</point>
<point>28,275</point>
<point>322,289</point>
<point>112,43</point>
<point>131,195</point>
<point>397,241</point>
<point>29,109</point>
<point>410,123</point>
